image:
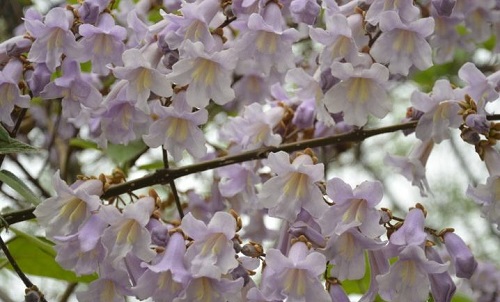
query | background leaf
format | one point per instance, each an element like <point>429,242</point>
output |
<point>9,145</point>
<point>36,256</point>
<point>19,186</point>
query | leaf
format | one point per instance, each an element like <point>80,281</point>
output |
<point>19,186</point>
<point>36,256</point>
<point>121,154</point>
<point>9,145</point>
<point>82,143</point>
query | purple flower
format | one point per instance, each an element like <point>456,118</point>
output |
<point>167,277</point>
<point>360,92</point>
<point>403,45</point>
<point>412,232</point>
<point>266,41</point>
<point>413,166</point>
<point>305,11</point>
<point>112,286</point>
<point>74,90</point>
<point>53,38</point>
<point>254,128</point>
<point>208,73</point>
<point>66,212</point>
<point>353,208</point>
<point>82,252</point>
<point>127,232</point>
<point>404,8</point>
<point>296,277</point>
<point>105,42</point>
<point>442,286</point>
<point>480,88</point>
<point>440,111</point>
<point>11,96</point>
<point>338,40</point>
<point>212,253</point>
<point>177,129</point>
<point>142,76</point>
<point>211,289</point>
<point>298,189</point>
<point>347,252</point>
<point>444,7</point>
<point>407,279</point>
<point>488,196</point>
<point>464,262</point>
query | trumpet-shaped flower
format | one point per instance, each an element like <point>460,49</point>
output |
<point>440,111</point>
<point>403,45</point>
<point>105,40</point>
<point>177,129</point>
<point>211,254</point>
<point>407,279</point>
<point>360,92</point>
<point>127,233</point>
<point>66,212</point>
<point>296,277</point>
<point>353,208</point>
<point>208,74</point>
<point>297,191</point>
<point>9,90</point>
<point>53,37</point>
<point>142,76</point>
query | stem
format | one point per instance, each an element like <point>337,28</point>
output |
<point>172,186</point>
<point>164,176</point>
<point>16,268</point>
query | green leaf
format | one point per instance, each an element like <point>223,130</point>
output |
<point>36,256</point>
<point>19,186</point>
<point>461,298</point>
<point>9,145</point>
<point>155,165</point>
<point>82,143</point>
<point>121,154</point>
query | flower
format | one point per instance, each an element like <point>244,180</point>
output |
<point>65,213</point>
<point>127,233</point>
<point>177,129</point>
<point>9,90</point>
<point>360,92</point>
<point>353,208</point>
<point>211,254</point>
<point>105,40</point>
<point>53,38</point>
<point>207,72</point>
<point>297,180</point>
<point>407,279</point>
<point>296,277</point>
<point>403,45</point>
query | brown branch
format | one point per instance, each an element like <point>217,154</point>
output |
<point>164,176</point>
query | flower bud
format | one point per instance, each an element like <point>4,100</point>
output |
<point>461,256</point>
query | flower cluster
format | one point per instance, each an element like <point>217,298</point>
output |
<point>267,75</point>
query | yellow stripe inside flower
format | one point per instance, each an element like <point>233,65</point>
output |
<point>143,79</point>
<point>295,282</point>
<point>296,185</point>
<point>358,90</point>
<point>404,42</point>
<point>178,129</point>
<point>408,272</point>
<point>74,210</point>
<point>128,232</point>
<point>267,42</point>
<point>205,71</point>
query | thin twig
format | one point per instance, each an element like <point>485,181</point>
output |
<point>68,291</point>
<point>172,186</point>
<point>16,267</point>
